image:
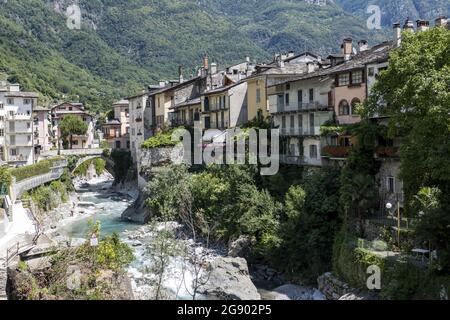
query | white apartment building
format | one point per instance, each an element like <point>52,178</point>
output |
<point>16,125</point>
<point>299,108</point>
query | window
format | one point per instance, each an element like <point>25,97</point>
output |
<point>313,151</point>
<point>283,122</point>
<point>300,98</point>
<point>10,101</point>
<point>28,125</point>
<point>292,122</point>
<point>11,113</point>
<point>2,118</point>
<point>258,95</point>
<point>28,112</point>
<point>371,72</point>
<point>29,138</point>
<point>357,77</point>
<point>344,108</point>
<point>390,184</point>
<point>288,86</point>
<point>27,101</point>
<point>311,95</point>
<point>2,132</point>
<point>1,106</point>
<point>128,144</point>
<point>70,109</point>
<point>13,152</point>
<point>287,98</point>
<point>300,122</point>
<point>355,102</point>
<point>344,79</point>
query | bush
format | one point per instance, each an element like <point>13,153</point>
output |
<point>98,163</point>
<point>123,162</point>
<point>160,140</point>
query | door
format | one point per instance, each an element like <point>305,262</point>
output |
<point>280,103</point>
<point>207,123</point>
<point>311,124</point>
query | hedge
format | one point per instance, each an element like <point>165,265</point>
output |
<point>33,170</point>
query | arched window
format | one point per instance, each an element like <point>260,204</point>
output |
<point>355,102</point>
<point>344,108</point>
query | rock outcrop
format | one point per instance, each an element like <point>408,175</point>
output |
<point>137,212</point>
<point>229,280</point>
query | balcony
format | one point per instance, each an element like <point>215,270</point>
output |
<point>19,117</point>
<point>313,131</point>
<point>292,160</point>
<point>17,159</point>
<point>387,152</point>
<point>179,122</point>
<point>19,131</point>
<point>336,152</point>
<point>300,107</point>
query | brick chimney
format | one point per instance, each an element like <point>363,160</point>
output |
<point>363,45</point>
<point>409,25</point>
<point>347,48</point>
<point>180,74</point>
<point>423,25</point>
<point>206,62</point>
<point>397,34</point>
<point>441,21</point>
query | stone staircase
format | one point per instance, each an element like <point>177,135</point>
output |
<point>3,279</point>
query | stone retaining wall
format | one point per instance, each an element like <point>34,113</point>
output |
<point>332,287</point>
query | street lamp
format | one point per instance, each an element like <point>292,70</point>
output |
<point>389,206</point>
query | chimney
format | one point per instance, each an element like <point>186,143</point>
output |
<point>213,68</point>
<point>423,25</point>
<point>290,54</point>
<point>283,56</point>
<point>363,45</point>
<point>441,21</point>
<point>409,25</point>
<point>280,61</point>
<point>247,59</point>
<point>310,67</point>
<point>162,83</point>
<point>180,74</point>
<point>347,48</point>
<point>397,34</point>
<point>205,62</point>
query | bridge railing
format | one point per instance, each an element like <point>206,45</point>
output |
<point>18,188</point>
<point>73,152</point>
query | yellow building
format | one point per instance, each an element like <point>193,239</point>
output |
<point>257,97</point>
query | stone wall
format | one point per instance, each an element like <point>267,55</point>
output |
<point>332,287</point>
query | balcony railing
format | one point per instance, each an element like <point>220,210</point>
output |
<point>178,122</point>
<point>300,106</point>
<point>313,131</point>
<point>387,152</point>
<point>293,160</point>
<point>336,151</point>
<point>14,131</point>
<point>20,143</point>
<point>17,159</point>
<point>19,117</point>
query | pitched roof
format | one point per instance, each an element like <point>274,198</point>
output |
<point>377,53</point>
<point>187,103</point>
<point>22,94</point>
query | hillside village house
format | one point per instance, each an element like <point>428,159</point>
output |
<point>224,103</point>
<point>42,130</point>
<point>116,131</point>
<point>58,113</point>
<point>284,67</point>
<point>299,108</point>
<point>16,124</point>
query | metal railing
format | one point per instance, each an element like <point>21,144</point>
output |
<point>300,106</point>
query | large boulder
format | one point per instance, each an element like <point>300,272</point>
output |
<point>228,279</point>
<point>137,212</point>
<point>240,247</point>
